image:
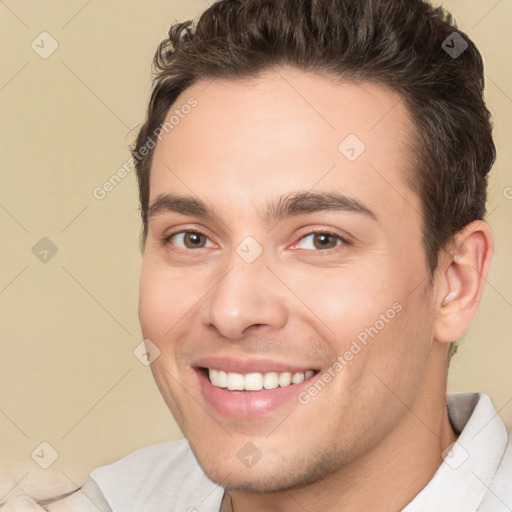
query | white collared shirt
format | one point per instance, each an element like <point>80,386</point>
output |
<point>476,475</point>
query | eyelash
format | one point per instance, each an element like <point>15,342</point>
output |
<point>343,240</point>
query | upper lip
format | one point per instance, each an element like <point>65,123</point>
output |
<point>250,365</point>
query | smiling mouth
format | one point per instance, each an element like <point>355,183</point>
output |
<point>255,381</point>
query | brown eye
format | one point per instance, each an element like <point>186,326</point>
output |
<point>193,240</point>
<point>189,240</point>
<point>325,241</point>
<point>320,241</point>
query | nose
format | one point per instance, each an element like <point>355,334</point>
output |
<point>246,297</point>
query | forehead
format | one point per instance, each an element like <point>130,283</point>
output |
<point>283,131</point>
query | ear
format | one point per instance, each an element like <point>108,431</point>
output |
<point>462,274</point>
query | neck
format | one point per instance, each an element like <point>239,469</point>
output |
<point>389,476</point>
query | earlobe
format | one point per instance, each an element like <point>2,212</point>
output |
<point>462,280</point>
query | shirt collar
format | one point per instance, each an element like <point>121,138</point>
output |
<point>471,462</point>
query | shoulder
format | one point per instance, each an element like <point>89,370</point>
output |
<point>155,459</point>
<point>159,477</point>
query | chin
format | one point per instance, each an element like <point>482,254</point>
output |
<point>268,476</point>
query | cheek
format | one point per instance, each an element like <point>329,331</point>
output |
<point>345,305</point>
<point>165,297</point>
<point>153,304</point>
<point>371,323</point>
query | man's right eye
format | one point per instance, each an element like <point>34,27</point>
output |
<point>188,240</point>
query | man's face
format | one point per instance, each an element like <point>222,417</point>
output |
<point>254,292</point>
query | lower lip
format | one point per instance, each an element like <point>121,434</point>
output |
<point>248,404</point>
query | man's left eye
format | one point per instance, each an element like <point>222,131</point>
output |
<point>320,240</point>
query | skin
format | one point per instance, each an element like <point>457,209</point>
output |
<point>373,437</point>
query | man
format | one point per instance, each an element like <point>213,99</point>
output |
<point>312,182</point>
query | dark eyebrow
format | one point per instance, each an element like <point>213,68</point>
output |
<point>288,205</point>
<point>300,203</point>
<point>181,204</point>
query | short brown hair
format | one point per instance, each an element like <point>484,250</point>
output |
<point>401,44</point>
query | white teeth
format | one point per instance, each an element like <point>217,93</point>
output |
<point>270,380</point>
<point>285,379</point>
<point>214,375</point>
<point>256,381</point>
<point>222,379</point>
<point>235,382</point>
<point>297,378</point>
<point>253,381</point>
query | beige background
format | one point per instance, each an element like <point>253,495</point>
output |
<point>69,326</point>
